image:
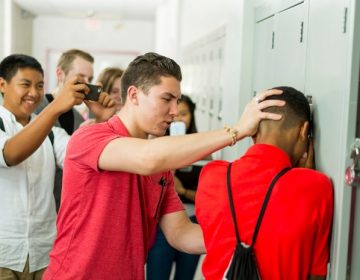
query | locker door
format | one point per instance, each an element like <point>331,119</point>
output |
<point>263,54</point>
<point>328,75</point>
<point>290,47</point>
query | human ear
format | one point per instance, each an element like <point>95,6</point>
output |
<point>2,84</point>
<point>304,131</point>
<point>132,94</point>
<point>60,74</point>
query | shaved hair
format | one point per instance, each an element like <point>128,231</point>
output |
<point>296,109</point>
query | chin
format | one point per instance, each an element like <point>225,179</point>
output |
<point>158,133</point>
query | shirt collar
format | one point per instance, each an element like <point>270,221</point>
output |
<point>269,152</point>
<point>116,123</point>
<point>9,116</point>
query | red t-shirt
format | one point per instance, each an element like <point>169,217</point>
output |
<point>293,240</point>
<point>106,219</point>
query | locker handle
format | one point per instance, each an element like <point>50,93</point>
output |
<point>301,31</point>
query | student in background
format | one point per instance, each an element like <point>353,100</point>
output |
<point>162,256</point>
<point>72,63</point>
<point>110,78</point>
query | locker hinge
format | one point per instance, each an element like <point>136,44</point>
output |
<point>301,31</point>
<point>345,20</point>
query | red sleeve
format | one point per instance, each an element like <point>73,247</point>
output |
<point>87,143</point>
<point>322,240</point>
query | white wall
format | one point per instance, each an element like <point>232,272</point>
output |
<point>15,29</point>
<point>198,18</point>
<point>22,31</point>
<point>107,40</point>
<point>2,35</point>
<point>167,29</point>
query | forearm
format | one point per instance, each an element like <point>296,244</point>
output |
<point>160,154</point>
<point>189,240</point>
<point>27,141</point>
<point>189,194</point>
<point>182,234</point>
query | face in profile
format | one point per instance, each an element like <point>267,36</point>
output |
<point>184,114</point>
<point>23,93</point>
<point>158,107</point>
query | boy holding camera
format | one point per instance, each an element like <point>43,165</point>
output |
<point>31,149</point>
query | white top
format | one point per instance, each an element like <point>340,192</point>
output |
<point>27,205</point>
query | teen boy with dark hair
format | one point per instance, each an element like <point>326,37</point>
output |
<point>293,240</point>
<point>31,149</point>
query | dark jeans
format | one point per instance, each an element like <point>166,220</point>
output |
<point>162,256</point>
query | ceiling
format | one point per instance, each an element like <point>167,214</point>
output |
<point>99,9</point>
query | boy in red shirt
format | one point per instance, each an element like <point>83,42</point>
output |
<point>293,240</point>
<point>117,185</point>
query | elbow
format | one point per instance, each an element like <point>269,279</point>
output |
<point>12,161</point>
<point>150,166</point>
<point>151,163</point>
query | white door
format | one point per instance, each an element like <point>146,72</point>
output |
<point>290,47</point>
<point>263,54</point>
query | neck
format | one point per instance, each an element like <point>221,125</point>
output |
<point>280,139</point>
<point>131,124</point>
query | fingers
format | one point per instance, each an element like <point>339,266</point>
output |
<point>311,149</point>
<point>105,100</point>
<point>262,95</point>
<point>271,103</point>
<point>111,103</point>
<point>270,116</point>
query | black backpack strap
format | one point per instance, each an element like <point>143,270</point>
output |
<point>263,208</point>
<point>265,203</point>
<point>231,202</point>
<point>2,127</point>
<point>49,97</point>
<point>51,137</point>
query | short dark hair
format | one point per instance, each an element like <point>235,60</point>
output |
<point>297,107</point>
<point>12,63</point>
<point>146,71</point>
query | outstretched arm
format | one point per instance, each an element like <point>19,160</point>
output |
<point>172,152</point>
<point>27,141</point>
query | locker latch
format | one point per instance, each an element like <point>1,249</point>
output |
<point>352,173</point>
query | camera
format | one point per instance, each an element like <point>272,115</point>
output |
<point>94,92</point>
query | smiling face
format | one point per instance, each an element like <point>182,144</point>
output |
<point>158,107</point>
<point>23,93</point>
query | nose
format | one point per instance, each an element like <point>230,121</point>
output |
<point>174,110</point>
<point>34,91</point>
